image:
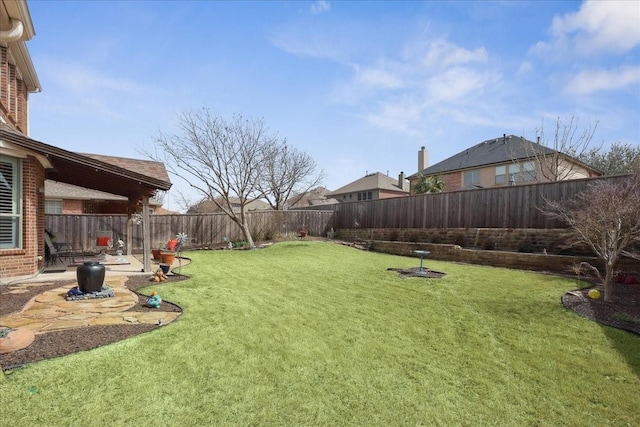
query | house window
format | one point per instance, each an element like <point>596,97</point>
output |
<point>365,195</point>
<point>53,207</point>
<point>514,173</point>
<point>501,175</point>
<point>10,202</point>
<point>529,172</point>
<point>472,177</point>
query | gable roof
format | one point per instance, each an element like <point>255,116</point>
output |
<point>209,206</point>
<point>314,197</point>
<point>61,190</point>
<point>492,151</point>
<point>88,172</point>
<point>374,181</point>
<point>146,167</point>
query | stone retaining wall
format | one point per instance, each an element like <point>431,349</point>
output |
<point>524,261</point>
<point>528,240</point>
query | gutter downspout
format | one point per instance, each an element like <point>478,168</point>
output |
<point>14,34</point>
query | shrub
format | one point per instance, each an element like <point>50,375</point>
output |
<point>393,235</point>
<point>489,244</point>
<point>525,247</point>
<point>460,239</point>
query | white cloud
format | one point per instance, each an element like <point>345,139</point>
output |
<point>442,53</point>
<point>599,26</point>
<point>88,91</point>
<point>525,67</point>
<point>399,116</point>
<point>311,43</point>
<point>81,79</point>
<point>425,80</point>
<point>376,77</point>
<point>320,6</point>
<point>458,83</point>
<point>587,82</point>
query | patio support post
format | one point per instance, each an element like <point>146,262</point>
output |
<point>146,234</point>
<point>129,234</point>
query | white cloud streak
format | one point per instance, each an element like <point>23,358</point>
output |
<point>320,6</point>
<point>598,27</point>
<point>587,82</point>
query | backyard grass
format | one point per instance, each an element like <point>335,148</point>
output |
<point>311,333</point>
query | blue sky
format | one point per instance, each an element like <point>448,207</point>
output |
<point>360,86</point>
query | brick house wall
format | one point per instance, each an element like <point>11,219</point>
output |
<point>72,206</point>
<point>452,181</point>
<point>25,261</point>
<point>389,194</point>
<point>13,94</point>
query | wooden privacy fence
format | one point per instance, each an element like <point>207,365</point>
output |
<point>504,207</point>
<point>80,231</point>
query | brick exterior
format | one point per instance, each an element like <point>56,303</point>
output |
<point>452,181</point>
<point>24,261</point>
<point>72,206</point>
<point>13,94</point>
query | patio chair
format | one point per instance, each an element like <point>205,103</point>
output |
<point>56,251</point>
<point>103,242</point>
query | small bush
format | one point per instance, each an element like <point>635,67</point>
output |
<point>489,244</point>
<point>414,237</point>
<point>239,244</point>
<point>460,240</point>
<point>525,247</point>
<point>393,235</point>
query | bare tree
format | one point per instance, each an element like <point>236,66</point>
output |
<point>557,156</point>
<point>606,217</point>
<point>223,160</point>
<point>184,201</point>
<point>617,161</point>
<point>289,174</point>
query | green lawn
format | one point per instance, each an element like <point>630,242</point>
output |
<point>308,333</point>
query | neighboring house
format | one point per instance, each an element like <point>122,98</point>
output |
<point>313,197</point>
<point>507,160</point>
<point>372,187</point>
<point>209,206</point>
<point>62,198</point>
<point>25,164</point>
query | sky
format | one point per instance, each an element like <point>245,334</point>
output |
<point>359,86</point>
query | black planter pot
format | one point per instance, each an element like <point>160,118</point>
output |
<point>90,276</point>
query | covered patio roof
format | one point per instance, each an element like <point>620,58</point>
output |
<point>87,171</point>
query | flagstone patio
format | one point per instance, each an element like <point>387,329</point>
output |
<point>50,311</point>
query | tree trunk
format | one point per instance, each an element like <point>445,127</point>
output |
<point>247,235</point>
<point>608,276</point>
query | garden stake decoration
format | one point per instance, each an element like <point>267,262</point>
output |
<point>181,238</point>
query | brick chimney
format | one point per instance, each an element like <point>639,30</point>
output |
<point>401,182</point>
<point>423,159</point>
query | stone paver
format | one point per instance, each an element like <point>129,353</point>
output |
<point>50,311</point>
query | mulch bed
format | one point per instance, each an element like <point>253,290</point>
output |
<point>425,273</point>
<point>62,343</point>
<point>622,312</point>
